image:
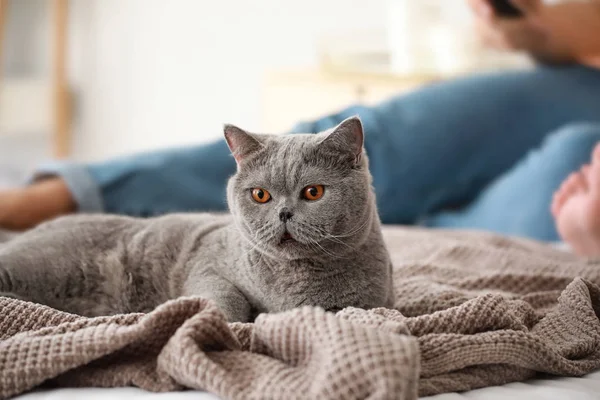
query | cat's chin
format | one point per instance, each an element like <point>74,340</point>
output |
<point>289,244</point>
<point>291,249</point>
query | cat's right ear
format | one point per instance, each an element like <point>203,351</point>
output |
<point>347,137</point>
<point>240,142</point>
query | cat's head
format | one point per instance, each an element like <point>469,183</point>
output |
<point>302,195</point>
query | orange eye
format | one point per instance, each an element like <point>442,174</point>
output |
<point>260,195</point>
<point>314,192</point>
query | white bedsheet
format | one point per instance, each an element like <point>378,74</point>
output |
<point>585,388</point>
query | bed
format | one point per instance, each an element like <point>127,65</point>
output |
<point>486,255</point>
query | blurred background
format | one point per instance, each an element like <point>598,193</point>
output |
<point>89,79</point>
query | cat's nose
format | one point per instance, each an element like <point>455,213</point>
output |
<point>285,214</point>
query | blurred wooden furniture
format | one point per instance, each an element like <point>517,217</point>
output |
<point>62,115</point>
<point>50,99</point>
<point>3,12</point>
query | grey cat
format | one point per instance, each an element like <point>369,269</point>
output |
<point>303,230</point>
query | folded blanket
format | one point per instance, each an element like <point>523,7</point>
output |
<point>472,310</point>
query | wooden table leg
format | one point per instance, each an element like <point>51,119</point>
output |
<point>3,13</point>
<point>62,114</point>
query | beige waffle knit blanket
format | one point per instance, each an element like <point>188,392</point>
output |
<point>473,310</point>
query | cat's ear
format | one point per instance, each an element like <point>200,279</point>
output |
<point>240,142</point>
<point>348,136</point>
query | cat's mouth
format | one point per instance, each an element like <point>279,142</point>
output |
<point>287,238</point>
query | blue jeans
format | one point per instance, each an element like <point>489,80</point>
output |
<point>459,145</point>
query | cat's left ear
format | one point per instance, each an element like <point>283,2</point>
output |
<point>240,142</point>
<point>348,136</point>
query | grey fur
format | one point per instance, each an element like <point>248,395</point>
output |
<point>101,265</point>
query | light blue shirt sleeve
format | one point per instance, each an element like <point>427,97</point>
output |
<point>83,187</point>
<point>186,179</point>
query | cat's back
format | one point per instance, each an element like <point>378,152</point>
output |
<point>87,230</point>
<point>89,224</point>
<point>104,264</point>
<point>100,232</point>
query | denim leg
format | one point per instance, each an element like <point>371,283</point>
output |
<point>440,145</point>
<point>175,180</point>
<point>429,149</point>
<point>518,202</point>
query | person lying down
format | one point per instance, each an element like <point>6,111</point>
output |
<point>303,229</point>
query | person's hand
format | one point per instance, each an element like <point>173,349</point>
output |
<point>526,33</point>
<point>24,208</point>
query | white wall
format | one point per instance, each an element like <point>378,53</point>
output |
<point>153,73</point>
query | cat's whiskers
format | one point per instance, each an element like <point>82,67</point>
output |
<point>354,230</point>
<point>249,250</point>
<point>302,228</point>
<point>322,234</point>
<point>250,230</point>
<point>327,236</point>
<point>325,250</point>
<point>260,261</point>
<point>255,238</point>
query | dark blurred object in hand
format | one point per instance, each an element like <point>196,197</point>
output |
<point>505,8</point>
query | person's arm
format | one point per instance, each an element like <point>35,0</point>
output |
<point>568,32</point>
<point>24,208</point>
